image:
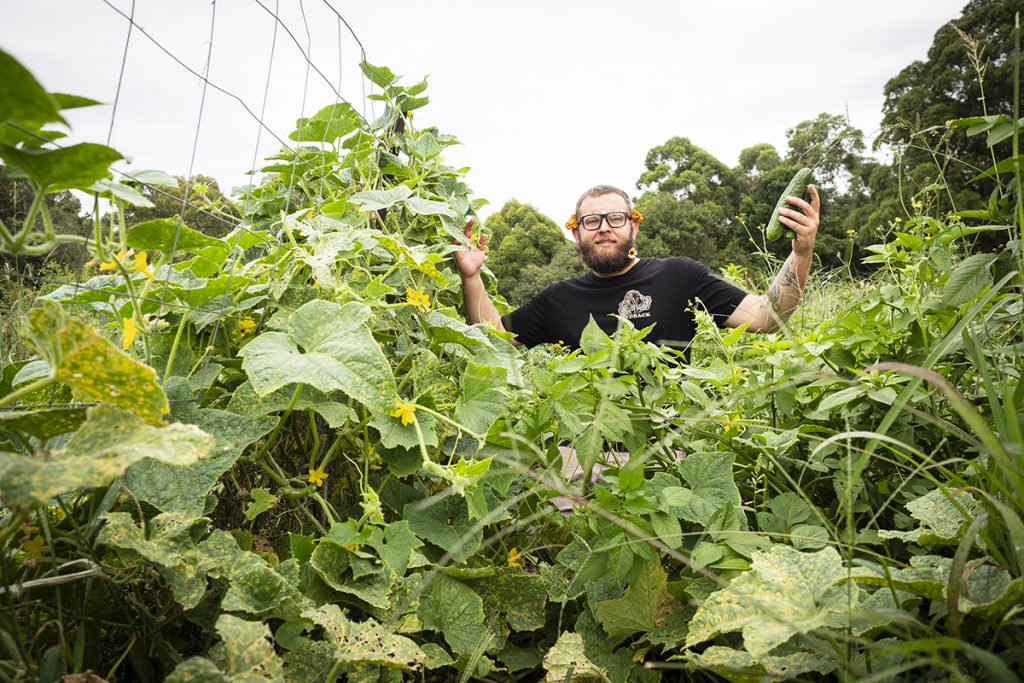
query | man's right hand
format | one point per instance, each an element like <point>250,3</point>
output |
<point>471,259</point>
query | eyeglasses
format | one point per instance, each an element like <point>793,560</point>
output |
<point>592,221</point>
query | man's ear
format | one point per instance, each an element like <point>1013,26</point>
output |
<point>576,235</point>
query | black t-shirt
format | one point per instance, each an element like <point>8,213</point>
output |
<point>655,290</point>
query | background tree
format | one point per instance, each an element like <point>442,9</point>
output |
<point>523,239</point>
<point>968,72</point>
<point>689,199</point>
<point>209,211</point>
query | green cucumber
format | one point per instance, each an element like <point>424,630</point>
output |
<point>797,188</point>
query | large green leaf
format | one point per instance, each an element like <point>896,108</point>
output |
<point>514,596</point>
<point>644,606</point>
<point>73,167</point>
<point>244,401</point>
<point>446,523</point>
<point>327,125</point>
<point>786,592</point>
<point>968,279</point>
<point>108,442</point>
<point>327,346</point>
<point>454,609</point>
<point>95,369</point>
<point>170,234</point>
<point>23,100</point>
<point>482,399</point>
<point>372,200</point>
<point>184,489</point>
<point>711,487</point>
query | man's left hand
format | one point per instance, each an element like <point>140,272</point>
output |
<point>805,224</point>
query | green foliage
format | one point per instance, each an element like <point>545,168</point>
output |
<point>304,465</point>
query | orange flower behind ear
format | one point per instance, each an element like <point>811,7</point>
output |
<point>572,223</point>
<point>637,216</point>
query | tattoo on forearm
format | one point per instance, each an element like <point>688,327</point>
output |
<point>786,278</point>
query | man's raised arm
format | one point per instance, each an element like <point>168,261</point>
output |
<point>479,307</point>
<point>764,312</point>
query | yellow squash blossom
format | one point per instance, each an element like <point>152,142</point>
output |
<point>417,298</point>
<point>404,412</point>
<point>246,326</point>
<point>316,476</point>
<point>112,265</point>
<point>514,558</point>
<point>129,334</point>
<point>34,548</point>
<point>732,424</point>
<point>142,265</point>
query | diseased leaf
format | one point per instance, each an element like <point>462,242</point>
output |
<point>245,648</point>
<point>739,665</point>
<point>95,369</point>
<point>566,662</point>
<point>784,593</point>
<point>514,596</point>
<point>367,642</point>
<point>451,607</point>
<point>109,441</point>
<point>941,520</point>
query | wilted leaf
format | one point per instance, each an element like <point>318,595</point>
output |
<point>246,649</point>
<point>366,642</point>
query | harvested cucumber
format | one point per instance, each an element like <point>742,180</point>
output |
<point>797,188</point>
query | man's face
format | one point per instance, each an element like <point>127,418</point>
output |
<point>605,250</point>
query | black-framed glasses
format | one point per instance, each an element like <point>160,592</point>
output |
<point>615,219</point>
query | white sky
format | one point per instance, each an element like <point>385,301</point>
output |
<point>548,98</point>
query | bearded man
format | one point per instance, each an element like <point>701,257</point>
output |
<point>644,291</point>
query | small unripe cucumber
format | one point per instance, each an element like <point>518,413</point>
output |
<point>797,188</point>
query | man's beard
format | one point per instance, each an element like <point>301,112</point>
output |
<point>604,262</point>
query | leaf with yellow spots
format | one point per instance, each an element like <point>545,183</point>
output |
<point>786,592</point>
<point>95,369</point>
<point>109,441</point>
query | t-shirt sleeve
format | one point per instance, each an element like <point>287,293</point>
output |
<point>717,295</point>
<point>529,322</point>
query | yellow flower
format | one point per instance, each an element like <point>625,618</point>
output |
<point>129,333</point>
<point>417,298</point>
<point>514,558</point>
<point>352,547</point>
<point>34,548</point>
<point>572,223</point>
<point>730,424</point>
<point>142,265</point>
<point>112,265</point>
<point>316,476</point>
<point>637,216</point>
<point>246,326</point>
<point>405,411</point>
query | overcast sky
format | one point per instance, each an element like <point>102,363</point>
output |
<point>547,98</point>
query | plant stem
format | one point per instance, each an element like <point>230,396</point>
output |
<point>174,345</point>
